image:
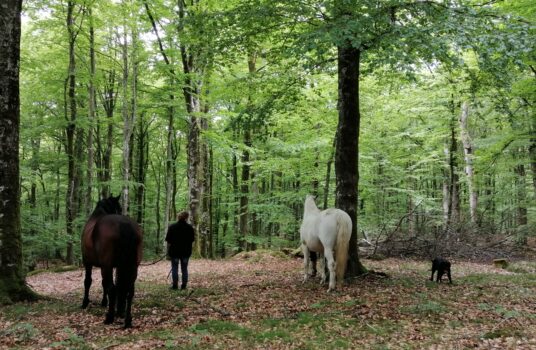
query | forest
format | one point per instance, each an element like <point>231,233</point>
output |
<point>415,117</point>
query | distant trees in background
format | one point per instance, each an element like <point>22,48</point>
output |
<point>235,111</point>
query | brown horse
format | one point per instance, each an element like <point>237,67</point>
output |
<point>109,241</point>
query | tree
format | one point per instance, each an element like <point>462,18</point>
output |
<point>12,278</point>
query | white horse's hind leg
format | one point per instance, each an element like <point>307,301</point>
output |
<point>331,267</point>
<point>305,251</point>
<point>322,268</point>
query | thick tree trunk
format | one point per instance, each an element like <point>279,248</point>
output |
<point>468,156</point>
<point>347,147</point>
<point>12,279</point>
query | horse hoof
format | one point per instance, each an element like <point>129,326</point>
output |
<point>128,324</point>
<point>108,320</point>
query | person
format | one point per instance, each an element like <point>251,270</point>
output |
<point>180,237</point>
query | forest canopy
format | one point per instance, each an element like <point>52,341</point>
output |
<point>232,110</point>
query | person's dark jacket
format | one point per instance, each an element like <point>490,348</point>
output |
<point>180,237</point>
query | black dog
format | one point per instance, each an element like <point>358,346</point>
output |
<point>441,266</point>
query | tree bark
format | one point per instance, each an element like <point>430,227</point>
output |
<point>104,160</point>
<point>468,156</point>
<point>73,148</point>
<point>141,171</point>
<point>347,147</point>
<point>454,179</point>
<point>129,113</point>
<point>532,153</point>
<point>12,279</point>
<point>92,107</point>
<point>328,173</point>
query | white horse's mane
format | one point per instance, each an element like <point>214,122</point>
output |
<point>309,206</point>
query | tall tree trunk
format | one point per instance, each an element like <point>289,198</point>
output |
<point>532,153</point>
<point>34,165</point>
<point>12,279</point>
<point>141,171</point>
<point>168,184</point>
<point>92,107</point>
<point>468,156</point>
<point>347,147</point>
<point>521,217</point>
<point>454,186</point>
<point>244,189</point>
<point>72,149</point>
<point>246,167</point>
<point>158,180</point>
<point>234,176</point>
<point>109,98</point>
<point>129,113</point>
<point>328,172</point>
<point>446,193</point>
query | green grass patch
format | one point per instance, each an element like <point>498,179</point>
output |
<point>503,333</point>
<point>321,304</point>
<point>382,328</point>
<point>22,311</point>
<point>517,280</point>
<point>220,327</point>
<point>22,332</point>
<point>425,307</point>
<point>73,341</point>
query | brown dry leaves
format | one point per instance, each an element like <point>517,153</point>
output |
<point>260,302</point>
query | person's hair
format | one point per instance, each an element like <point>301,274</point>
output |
<point>183,215</point>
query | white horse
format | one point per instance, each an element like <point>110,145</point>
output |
<point>326,232</point>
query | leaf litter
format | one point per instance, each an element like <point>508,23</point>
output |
<point>257,301</point>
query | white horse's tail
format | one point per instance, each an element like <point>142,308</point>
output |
<point>344,231</point>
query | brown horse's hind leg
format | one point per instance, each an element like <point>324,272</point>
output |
<point>87,285</point>
<point>129,296</point>
<point>109,290</point>
<point>121,291</point>
<point>104,301</point>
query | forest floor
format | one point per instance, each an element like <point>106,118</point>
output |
<point>257,301</point>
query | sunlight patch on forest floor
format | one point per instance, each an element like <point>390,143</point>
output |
<point>258,301</point>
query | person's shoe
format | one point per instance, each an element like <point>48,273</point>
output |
<point>183,287</point>
<point>174,287</point>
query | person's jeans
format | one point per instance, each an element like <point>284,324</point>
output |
<point>175,270</point>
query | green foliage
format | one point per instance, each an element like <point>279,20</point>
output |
<point>420,61</point>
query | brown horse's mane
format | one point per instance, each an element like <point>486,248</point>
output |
<point>106,206</point>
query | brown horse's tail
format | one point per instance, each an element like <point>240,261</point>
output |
<point>127,266</point>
